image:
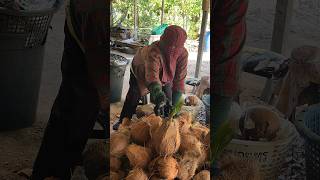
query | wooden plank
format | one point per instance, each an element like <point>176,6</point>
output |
<point>205,12</point>
<point>282,21</point>
<point>135,11</point>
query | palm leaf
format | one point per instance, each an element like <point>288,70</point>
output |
<point>222,138</point>
<point>176,108</point>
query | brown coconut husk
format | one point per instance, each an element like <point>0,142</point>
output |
<point>202,175</point>
<point>138,156</point>
<point>144,110</point>
<point>199,131</point>
<point>164,167</point>
<point>190,143</point>
<point>126,122</point>
<point>118,143</point>
<point>185,121</point>
<point>114,176</point>
<point>156,177</point>
<point>188,165</point>
<point>192,100</point>
<point>137,174</point>
<point>166,139</point>
<point>115,163</point>
<point>140,132</point>
<point>154,123</point>
<point>207,140</point>
<point>234,168</point>
<point>266,123</point>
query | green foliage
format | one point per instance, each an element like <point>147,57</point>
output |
<point>185,13</point>
<point>221,139</point>
<point>176,108</point>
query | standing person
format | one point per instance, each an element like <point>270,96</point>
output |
<point>229,34</point>
<point>161,69</point>
<point>82,93</point>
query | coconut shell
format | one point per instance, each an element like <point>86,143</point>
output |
<point>118,144</point>
<point>137,174</point>
<point>187,167</point>
<point>115,163</point>
<point>190,143</point>
<point>166,139</point>
<point>140,132</point>
<point>203,175</point>
<point>185,120</point>
<point>138,156</point>
<point>114,176</point>
<point>192,100</point>
<point>235,168</point>
<point>164,167</point>
<point>199,131</point>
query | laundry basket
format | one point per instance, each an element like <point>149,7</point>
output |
<point>308,124</point>
<point>270,156</point>
<point>22,42</point>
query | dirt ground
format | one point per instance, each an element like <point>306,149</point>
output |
<point>19,148</point>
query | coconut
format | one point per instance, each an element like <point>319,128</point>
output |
<point>203,175</point>
<point>188,165</point>
<point>138,156</point>
<point>199,131</point>
<point>115,163</point>
<point>118,143</point>
<point>154,123</point>
<point>190,143</point>
<point>140,132</point>
<point>125,123</point>
<point>185,120</point>
<point>234,168</point>
<point>192,100</point>
<point>164,167</point>
<point>114,176</point>
<point>144,110</point>
<point>166,139</point>
<point>137,174</point>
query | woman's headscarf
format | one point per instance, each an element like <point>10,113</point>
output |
<point>172,46</point>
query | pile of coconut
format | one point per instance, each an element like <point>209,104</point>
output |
<point>153,148</point>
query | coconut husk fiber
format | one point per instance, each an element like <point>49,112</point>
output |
<point>154,123</point>
<point>188,165</point>
<point>266,123</point>
<point>185,121</point>
<point>118,143</point>
<point>126,122</point>
<point>199,131</point>
<point>164,167</point>
<point>114,176</point>
<point>140,132</point>
<point>202,175</point>
<point>144,110</point>
<point>166,139</point>
<point>192,100</point>
<point>138,156</point>
<point>115,163</point>
<point>190,143</point>
<point>234,168</point>
<point>137,174</point>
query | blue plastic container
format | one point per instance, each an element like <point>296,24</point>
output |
<point>207,41</point>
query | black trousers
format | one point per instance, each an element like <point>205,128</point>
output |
<point>72,117</point>
<point>133,97</point>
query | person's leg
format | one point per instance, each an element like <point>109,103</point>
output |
<point>130,103</point>
<point>167,89</point>
<point>72,118</point>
